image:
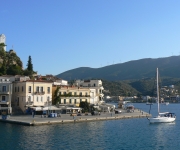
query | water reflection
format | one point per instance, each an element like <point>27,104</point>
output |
<point>133,134</point>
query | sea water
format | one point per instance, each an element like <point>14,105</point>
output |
<point>125,134</point>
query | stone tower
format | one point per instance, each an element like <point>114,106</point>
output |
<point>3,40</point>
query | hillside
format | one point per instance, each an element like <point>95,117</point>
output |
<point>136,69</point>
<point>137,87</point>
<point>10,63</point>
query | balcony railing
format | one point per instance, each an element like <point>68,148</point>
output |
<point>4,92</point>
<point>68,95</point>
<point>47,103</point>
<point>29,103</point>
<point>4,102</point>
<point>39,93</point>
<point>5,108</point>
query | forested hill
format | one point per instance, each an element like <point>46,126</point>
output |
<point>136,69</point>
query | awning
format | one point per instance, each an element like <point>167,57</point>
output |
<point>37,108</point>
<point>74,108</point>
<point>51,108</point>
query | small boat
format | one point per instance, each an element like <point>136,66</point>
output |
<point>167,103</point>
<point>149,103</point>
<point>162,117</point>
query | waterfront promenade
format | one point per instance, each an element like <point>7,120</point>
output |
<point>66,118</point>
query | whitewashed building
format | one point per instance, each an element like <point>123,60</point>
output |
<point>95,87</point>
<point>6,93</point>
<point>60,82</point>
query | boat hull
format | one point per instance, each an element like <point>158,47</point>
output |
<point>161,119</point>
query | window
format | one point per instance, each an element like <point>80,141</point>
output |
<point>48,89</point>
<point>15,89</point>
<point>75,93</point>
<point>37,88</point>
<point>48,98</point>
<point>80,94</point>
<point>41,89</point>
<point>86,93</point>
<point>4,88</point>
<point>41,99</point>
<point>3,98</point>
<point>37,99</point>
<point>17,101</point>
<point>86,100</point>
<point>94,84</point>
<point>70,101</point>
<point>29,98</point>
<point>64,101</point>
<point>22,89</point>
<point>74,101</point>
<point>29,89</point>
<point>70,93</point>
<point>80,100</point>
<point>64,93</point>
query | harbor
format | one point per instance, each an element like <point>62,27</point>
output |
<point>28,120</point>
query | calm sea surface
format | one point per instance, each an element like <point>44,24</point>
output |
<point>127,134</point>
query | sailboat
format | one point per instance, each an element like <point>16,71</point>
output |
<point>162,117</point>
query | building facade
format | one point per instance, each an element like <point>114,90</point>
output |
<point>92,85</point>
<point>72,95</point>
<point>6,94</point>
<point>32,93</point>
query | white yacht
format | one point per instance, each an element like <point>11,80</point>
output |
<point>162,117</point>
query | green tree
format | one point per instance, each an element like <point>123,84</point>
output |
<point>29,64</point>
<point>2,53</point>
<point>14,70</point>
<point>29,71</point>
<point>85,106</point>
<point>3,67</point>
<point>56,96</point>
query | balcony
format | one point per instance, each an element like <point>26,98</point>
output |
<point>101,94</point>
<point>4,102</point>
<point>48,103</point>
<point>4,92</point>
<point>29,103</point>
<point>39,93</point>
<point>68,95</point>
<point>5,108</point>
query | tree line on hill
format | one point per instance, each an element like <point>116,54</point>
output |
<point>11,64</point>
<point>137,88</point>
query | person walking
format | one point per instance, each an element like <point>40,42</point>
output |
<point>33,113</point>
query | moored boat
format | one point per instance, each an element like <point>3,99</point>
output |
<point>162,117</point>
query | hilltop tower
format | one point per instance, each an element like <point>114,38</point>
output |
<point>3,40</point>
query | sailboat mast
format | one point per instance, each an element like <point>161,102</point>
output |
<point>157,91</point>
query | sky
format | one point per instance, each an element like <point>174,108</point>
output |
<point>61,35</point>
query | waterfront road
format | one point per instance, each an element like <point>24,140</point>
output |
<point>66,118</point>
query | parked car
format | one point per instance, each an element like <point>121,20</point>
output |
<point>130,108</point>
<point>79,114</point>
<point>94,113</point>
<point>117,111</point>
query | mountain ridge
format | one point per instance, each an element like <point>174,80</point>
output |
<point>134,69</point>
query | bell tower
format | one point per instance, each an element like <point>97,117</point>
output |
<point>3,40</point>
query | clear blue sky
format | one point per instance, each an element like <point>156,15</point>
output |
<point>61,35</point>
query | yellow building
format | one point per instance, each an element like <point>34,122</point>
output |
<point>32,93</point>
<point>72,95</point>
